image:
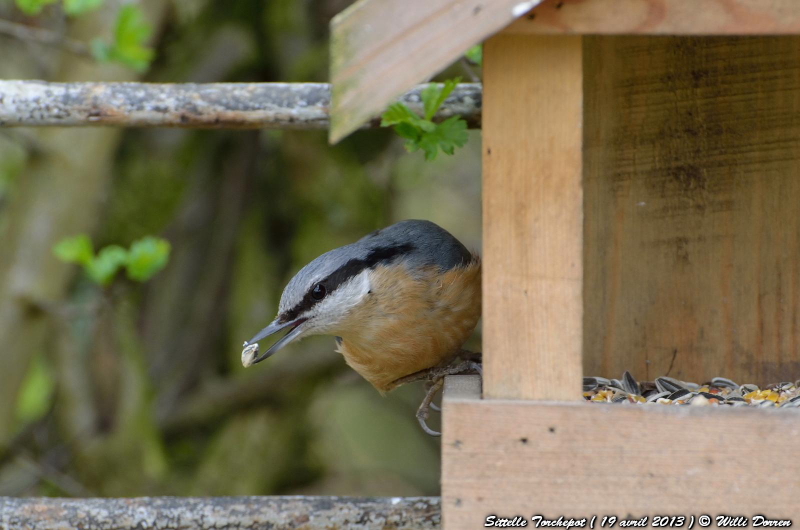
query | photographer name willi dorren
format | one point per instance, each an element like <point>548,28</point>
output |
<point>611,521</point>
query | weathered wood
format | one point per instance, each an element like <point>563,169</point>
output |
<point>581,460</point>
<point>532,217</point>
<point>220,512</point>
<point>190,105</point>
<point>692,219</point>
<point>379,48</point>
<point>670,17</point>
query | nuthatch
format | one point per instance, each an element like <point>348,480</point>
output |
<point>401,301</point>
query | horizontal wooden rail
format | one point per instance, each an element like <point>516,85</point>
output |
<point>191,105</point>
<point>221,512</point>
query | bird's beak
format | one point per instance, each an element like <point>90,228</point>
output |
<point>274,327</point>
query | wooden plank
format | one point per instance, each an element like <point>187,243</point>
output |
<point>380,48</point>
<point>532,217</point>
<point>659,17</point>
<point>577,460</point>
<point>692,221</point>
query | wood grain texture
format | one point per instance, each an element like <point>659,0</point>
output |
<point>664,17</point>
<point>580,459</point>
<point>532,217</point>
<point>693,207</point>
<point>381,48</point>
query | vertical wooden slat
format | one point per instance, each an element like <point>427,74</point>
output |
<point>532,217</point>
<point>692,207</point>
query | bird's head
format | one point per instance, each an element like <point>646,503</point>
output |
<point>319,299</point>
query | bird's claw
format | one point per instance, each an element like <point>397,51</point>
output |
<point>422,411</point>
<point>435,376</point>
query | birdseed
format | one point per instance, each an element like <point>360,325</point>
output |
<point>671,391</point>
<point>249,354</point>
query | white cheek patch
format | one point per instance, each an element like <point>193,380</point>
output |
<point>327,313</point>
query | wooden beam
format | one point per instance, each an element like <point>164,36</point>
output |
<point>579,460</point>
<point>532,217</point>
<point>380,48</point>
<point>662,17</point>
<point>692,226</point>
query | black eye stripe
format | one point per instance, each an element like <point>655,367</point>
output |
<point>350,269</point>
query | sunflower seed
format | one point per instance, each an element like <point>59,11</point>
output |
<point>249,354</point>
<point>616,383</point>
<point>724,383</point>
<point>749,387</point>
<point>590,383</point>
<point>668,384</point>
<point>679,394</point>
<point>652,398</point>
<point>629,384</point>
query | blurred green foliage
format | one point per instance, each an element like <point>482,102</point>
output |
<point>475,54</point>
<point>131,31</point>
<point>33,7</point>
<point>79,7</point>
<point>128,46</point>
<point>142,261</point>
<point>421,132</point>
<point>36,394</point>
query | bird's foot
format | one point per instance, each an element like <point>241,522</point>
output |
<point>435,376</point>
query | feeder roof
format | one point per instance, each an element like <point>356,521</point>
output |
<point>381,48</point>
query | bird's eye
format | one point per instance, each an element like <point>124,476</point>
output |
<point>318,292</point>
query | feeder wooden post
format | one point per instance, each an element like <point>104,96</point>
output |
<point>532,217</point>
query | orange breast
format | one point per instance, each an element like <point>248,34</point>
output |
<point>411,321</point>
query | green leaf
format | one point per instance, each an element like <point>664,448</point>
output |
<point>33,7</point>
<point>78,7</point>
<point>77,249</point>
<point>433,96</point>
<point>422,133</point>
<point>397,113</point>
<point>448,135</point>
<point>36,393</point>
<point>108,261</point>
<point>146,257</point>
<point>475,54</point>
<point>407,131</point>
<point>130,34</point>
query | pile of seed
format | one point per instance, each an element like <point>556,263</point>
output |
<point>670,391</point>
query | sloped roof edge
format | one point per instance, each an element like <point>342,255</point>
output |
<point>381,48</point>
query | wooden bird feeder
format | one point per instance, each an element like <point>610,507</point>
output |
<point>641,211</point>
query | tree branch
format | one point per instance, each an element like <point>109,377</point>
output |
<point>221,512</point>
<point>213,105</point>
<point>43,36</point>
<point>223,397</point>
